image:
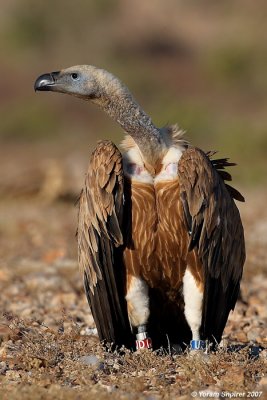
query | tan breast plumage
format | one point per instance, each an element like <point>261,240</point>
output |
<point>157,246</point>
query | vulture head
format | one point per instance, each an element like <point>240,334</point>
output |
<point>84,81</point>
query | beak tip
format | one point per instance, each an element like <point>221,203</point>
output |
<point>45,82</point>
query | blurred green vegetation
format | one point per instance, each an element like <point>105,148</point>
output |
<point>201,64</point>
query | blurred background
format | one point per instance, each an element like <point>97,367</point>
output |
<point>202,64</point>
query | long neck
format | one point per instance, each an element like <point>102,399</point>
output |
<point>119,104</point>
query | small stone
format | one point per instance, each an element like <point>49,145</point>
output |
<point>92,360</point>
<point>254,334</point>
<point>4,351</point>
<point>3,367</point>
<point>5,331</point>
<point>241,337</point>
<point>13,375</point>
<point>233,375</point>
<point>263,382</point>
<point>116,366</point>
<point>200,355</point>
<point>89,331</point>
<point>4,275</point>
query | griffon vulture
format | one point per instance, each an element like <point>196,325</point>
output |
<point>160,239</point>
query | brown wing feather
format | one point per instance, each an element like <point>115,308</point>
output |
<point>220,164</point>
<point>100,243</point>
<point>216,233</point>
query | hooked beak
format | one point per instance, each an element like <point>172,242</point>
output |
<point>46,82</point>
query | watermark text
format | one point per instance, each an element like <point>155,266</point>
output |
<point>226,394</point>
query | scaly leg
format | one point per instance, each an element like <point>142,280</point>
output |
<point>193,300</point>
<point>138,309</point>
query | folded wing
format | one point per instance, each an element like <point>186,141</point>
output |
<point>100,244</point>
<point>216,233</point>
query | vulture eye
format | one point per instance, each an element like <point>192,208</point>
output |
<point>74,76</point>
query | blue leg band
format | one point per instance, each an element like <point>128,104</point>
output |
<point>198,345</point>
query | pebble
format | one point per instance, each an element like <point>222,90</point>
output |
<point>254,334</point>
<point>3,367</point>
<point>13,375</point>
<point>263,381</point>
<point>241,337</point>
<point>93,361</point>
<point>89,331</point>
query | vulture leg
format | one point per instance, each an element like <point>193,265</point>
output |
<point>193,303</point>
<point>138,309</point>
<point>193,298</point>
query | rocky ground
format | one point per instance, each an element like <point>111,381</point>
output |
<point>48,345</point>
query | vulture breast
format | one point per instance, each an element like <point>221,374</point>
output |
<point>157,242</point>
